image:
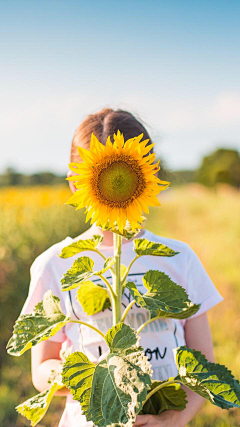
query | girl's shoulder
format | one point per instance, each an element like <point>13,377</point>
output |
<point>176,245</point>
<point>49,257</point>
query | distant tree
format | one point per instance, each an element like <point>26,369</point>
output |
<point>173,176</point>
<point>223,165</point>
<point>11,177</point>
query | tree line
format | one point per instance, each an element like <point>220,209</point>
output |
<point>220,166</point>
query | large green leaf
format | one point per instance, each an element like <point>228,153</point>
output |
<point>81,270</point>
<point>112,392</point>
<point>171,396</point>
<point>30,329</point>
<point>81,245</point>
<point>36,407</point>
<point>211,380</point>
<point>93,298</point>
<point>146,247</point>
<point>163,298</point>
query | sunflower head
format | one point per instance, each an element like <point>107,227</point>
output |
<point>116,182</point>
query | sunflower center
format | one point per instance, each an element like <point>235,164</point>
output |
<point>118,181</point>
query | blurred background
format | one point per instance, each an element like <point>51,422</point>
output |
<point>176,66</point>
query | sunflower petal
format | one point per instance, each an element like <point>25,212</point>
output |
<point>85,155</point>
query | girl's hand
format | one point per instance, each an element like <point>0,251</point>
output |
<point>168,418</point>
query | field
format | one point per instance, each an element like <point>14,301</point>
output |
<point>32,219</point>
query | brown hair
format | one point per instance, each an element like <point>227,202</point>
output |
<point>104,123</point>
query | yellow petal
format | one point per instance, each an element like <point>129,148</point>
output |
<point>143,204</point>
<point>85,155</point>
<point>108,143</point>
<point>95,145</point>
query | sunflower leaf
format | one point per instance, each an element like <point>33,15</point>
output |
<point>211,380</point>
<point>81,245</point>
<point>36,407</point>
<point>146,247</point>
<point>93,298</point>
<point>171,396</point>
<point>121,337</point>
<point>108,264</point>
<point>163,298</point>
<point>81,270</point>
<point>30,329</point>
<point>113,391</point>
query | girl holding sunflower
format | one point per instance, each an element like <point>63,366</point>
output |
<point>117,181</point>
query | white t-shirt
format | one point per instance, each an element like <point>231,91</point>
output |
<point>158,339</point>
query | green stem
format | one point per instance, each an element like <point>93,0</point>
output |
<point>127,310</point>
<point>158,388</point>
<point>99,253</point>
<point>117,287</point>
<point>146,323</point>
<point>90,326</point>
<point>108,286</point>
<point>128,269</point>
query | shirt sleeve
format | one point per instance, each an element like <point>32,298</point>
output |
<point>42,280</point>
<point>200,288</point>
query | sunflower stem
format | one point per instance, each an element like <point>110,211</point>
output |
<point>127,310</point>
<point>147,323</point>
<point>117,286</point>
<point>128,269</point>
<point>89,326</point>
<point>109,287</point>
<point>170,381</point>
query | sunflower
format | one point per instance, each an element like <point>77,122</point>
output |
<point>116,182</point>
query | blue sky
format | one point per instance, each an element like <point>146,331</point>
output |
<point>175,64</point>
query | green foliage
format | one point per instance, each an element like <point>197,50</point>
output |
<point>145,247</point>
<point>81,245</point>
<point>211,380</point>
<point>36,407</point>
<point>121,337</point>
<point>163,298</point>
<point>114,390</point>
<point>171,396</point>
<point>77,375</point>
<point>93,298</point>
<point>13,178</point>
<point>30,329</point>
<point>81,270</point>
<point>223,165</point>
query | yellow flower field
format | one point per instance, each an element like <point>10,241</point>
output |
<point>32,219</point>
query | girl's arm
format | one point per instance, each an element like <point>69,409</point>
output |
<point>45,358</point>
<point>198,336</point>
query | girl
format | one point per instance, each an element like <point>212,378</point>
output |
<point>160,337</point>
